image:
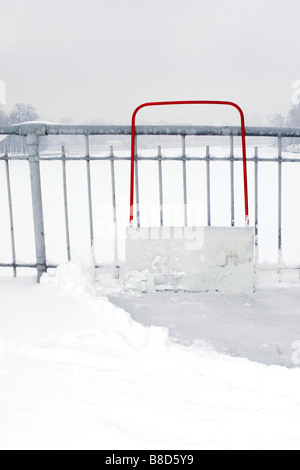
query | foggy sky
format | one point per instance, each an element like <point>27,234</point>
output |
<point>99,59</point>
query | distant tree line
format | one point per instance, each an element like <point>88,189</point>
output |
<point>292,119</point>
<point>20,113</point>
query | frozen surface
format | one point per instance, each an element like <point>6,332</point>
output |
<point>261,327</point>
<point>192,259</point>
<point>77,372</point>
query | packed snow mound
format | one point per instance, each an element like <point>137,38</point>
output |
<point>74,277</point>
<point>78,277</point>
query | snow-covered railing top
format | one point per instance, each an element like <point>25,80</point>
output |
<point>44,129</point>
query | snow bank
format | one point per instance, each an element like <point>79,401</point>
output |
<point>79,373</point>
<point>77,277</point>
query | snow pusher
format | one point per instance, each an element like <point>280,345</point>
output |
<point>192,259</point>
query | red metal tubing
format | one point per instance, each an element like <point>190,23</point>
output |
<point>170,103</point>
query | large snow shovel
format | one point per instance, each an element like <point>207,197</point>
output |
<point>194,259</point>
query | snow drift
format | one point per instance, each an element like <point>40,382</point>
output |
<point>79,373</point>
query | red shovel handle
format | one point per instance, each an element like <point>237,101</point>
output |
<point>168,103</point>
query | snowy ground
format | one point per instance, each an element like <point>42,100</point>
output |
<point>86,365</point>
<point>262,327</point>
<point>77,372</point>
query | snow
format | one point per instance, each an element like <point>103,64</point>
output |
<point>262,327</point>
<point>86,365</point>
<point>77,372</point>
<point>294,148</point>
<point>40,123</point>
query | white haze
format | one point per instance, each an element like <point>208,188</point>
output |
<point>96,60</point>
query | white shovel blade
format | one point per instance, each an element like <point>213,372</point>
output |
<point>194,259</point>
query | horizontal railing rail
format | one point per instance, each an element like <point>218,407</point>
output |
<point>61,129</point>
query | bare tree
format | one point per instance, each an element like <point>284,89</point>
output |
<point>23,113</point>
<point>4,119</point>
<point>20,113</point>
<point>277,120</point>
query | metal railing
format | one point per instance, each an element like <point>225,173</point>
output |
<point>33,132</point>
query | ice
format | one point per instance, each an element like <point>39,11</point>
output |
<point>193,259</point>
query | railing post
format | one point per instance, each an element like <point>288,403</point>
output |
<point>256,203</point>
<point>66,210</point>
<point>160,181</point>
<point>32,141</point>
<point>280,260</point>
<point>185,201</point>
<point>115,220</point>
<point>11,214</point>
<point>137,185</point>
<point>208,186</point>
<point>232,180</point>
